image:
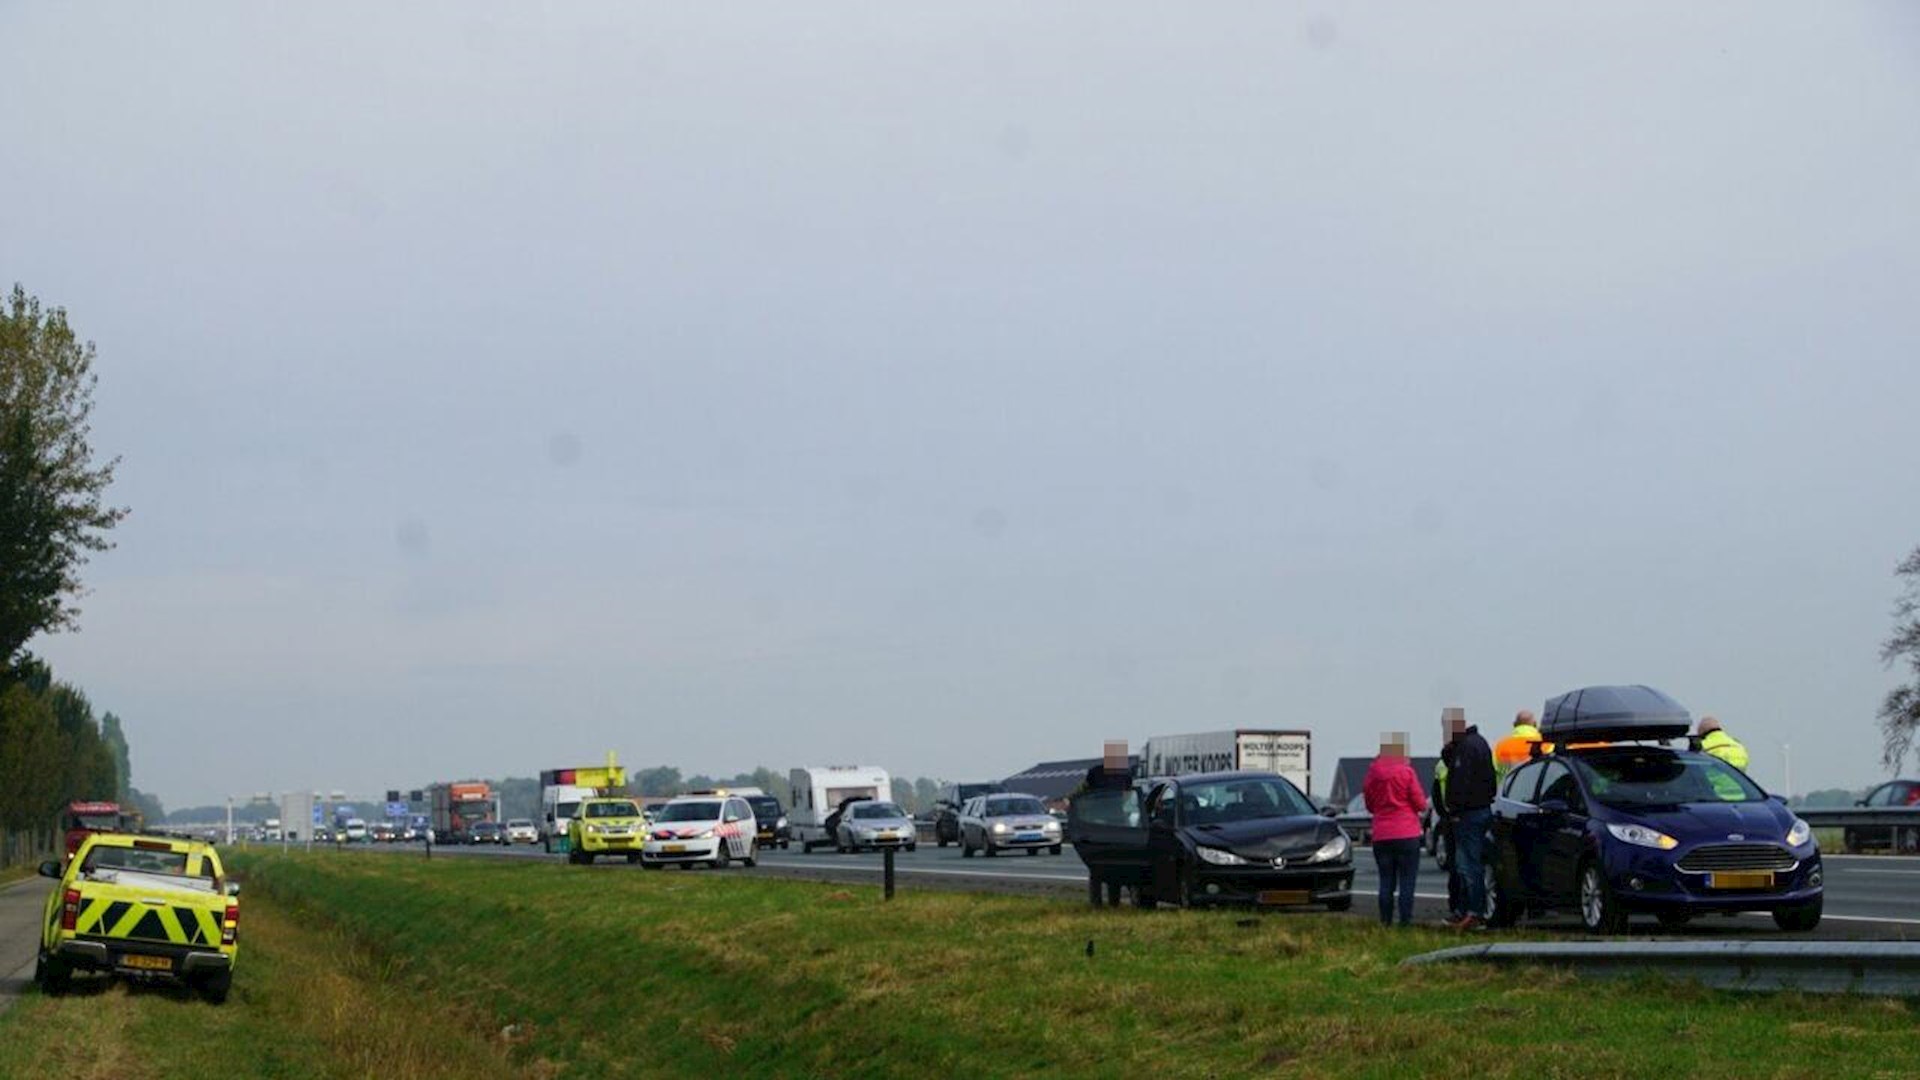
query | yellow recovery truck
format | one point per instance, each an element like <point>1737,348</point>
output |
<point>143,907</point>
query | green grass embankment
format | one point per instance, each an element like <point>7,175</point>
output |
<point>489,967</point>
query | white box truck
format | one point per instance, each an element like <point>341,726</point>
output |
<point>818,793</point>
<point>1289,753</point>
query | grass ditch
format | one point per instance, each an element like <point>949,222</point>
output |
<point>372,965</point>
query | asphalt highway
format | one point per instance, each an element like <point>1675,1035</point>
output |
<point>1868,896</point>
<point>21,904</point>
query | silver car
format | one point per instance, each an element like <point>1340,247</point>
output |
<point>870,825</point>
<point>1007,822</point>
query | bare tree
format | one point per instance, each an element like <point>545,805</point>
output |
<point>1900,712</point>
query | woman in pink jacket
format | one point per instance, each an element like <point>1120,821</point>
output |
<point>1396,802</point>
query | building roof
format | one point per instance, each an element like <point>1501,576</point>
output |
<point>1055,779</point>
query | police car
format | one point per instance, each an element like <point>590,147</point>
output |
<point>711,829</point>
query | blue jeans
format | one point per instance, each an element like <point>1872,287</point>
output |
<point>1470,857</point>
<point>1399,864</point>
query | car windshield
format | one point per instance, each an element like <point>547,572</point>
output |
<point>143,860</point>
<point>519,823</point>
<point>1241,799</point>
<point>877,810</point>
<point>612,809</point>
<point>1004,807</point>
<point>690,811</point>
<point>1665,778</point>
<point>765,806</point>
<point>97,822</point>
<point>566,809</point>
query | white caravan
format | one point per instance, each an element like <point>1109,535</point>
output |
<point>818,793</point>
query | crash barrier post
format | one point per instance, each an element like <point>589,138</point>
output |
<point>1824,967</point>
<point>888,874</point>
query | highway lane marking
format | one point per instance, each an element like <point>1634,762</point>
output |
<point>1907,873</point>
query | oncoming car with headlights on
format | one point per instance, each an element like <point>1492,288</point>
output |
<point>605,827</point>
<point>1244,837</point>
<point>713,829</point>
<point>1009,822</point>
<point>870,824</point>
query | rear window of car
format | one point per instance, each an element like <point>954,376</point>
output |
<point>141,860</point>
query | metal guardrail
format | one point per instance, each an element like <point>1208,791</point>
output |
<point>1859,816</point>
<point>1825,967</point>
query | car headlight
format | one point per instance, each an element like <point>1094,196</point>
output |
<point>1333,850</point>
<point>1051,826</point>
<point>781,824</point>
<point>1641,836</point>
<point>999,826</point>
<point>1799,834</point>
<point>708,835</point>
<point>1220,857</point>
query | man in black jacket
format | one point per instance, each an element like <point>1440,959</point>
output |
<point>1470,782</point>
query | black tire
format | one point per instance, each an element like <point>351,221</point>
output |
<point>1055,850</point>
<point>913,847</point>
<point>989,849</point>
<point>1096,891</point>
<point>53,974</point>
<point>1600,910</point>
<point>722,858</point>
<point>966,849</point>
<point>214,988</point>
<point>1502,912</point>
<point>1674,920</point>
<point>1799,918</point>
<point>753,855</point>
<point>939,841</point>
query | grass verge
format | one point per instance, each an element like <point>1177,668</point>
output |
<point>373,965</point>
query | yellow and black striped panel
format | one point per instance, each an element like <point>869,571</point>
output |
<point>148,922</point>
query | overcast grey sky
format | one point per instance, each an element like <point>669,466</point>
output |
<point>952,387</point>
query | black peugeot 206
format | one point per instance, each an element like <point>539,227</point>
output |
<point>1211,838</point>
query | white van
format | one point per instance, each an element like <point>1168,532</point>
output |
<point>818,793</point>
<point>558,804</point>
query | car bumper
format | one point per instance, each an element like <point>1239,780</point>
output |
<point>897,840</point>
<point>603,842</point>
<point>1649,881</point>
<point>662,851</point>
<point>110,954</point>
<point>772,836</point>
<point>1015,841</point>
<point>1253,885</point>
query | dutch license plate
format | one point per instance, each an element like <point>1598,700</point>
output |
<point>673,849</point>
<point>1282,896</point>
<point>1748,879</point>
<point>146,963</point>
<point>1029,836</point>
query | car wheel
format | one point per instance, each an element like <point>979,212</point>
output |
<point>53,974</point>
<point>215,987</point>
<point>939,841</point>
<point>1055,849</point>
<point>753,855</point>
<point>1501,910</point>
<point>1600,911</point>
<point>989,849</point>
<point>913,847</point>
<point>1799,918</point>
<point>966,849</point>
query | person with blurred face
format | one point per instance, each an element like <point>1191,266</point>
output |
<point>1517,747</point>
<point>1395,800</point>
<point>1470,785</point>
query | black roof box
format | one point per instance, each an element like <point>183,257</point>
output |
<point>1613,714</point>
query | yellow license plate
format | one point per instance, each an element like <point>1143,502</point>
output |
<point>673,849</point>
<point>1282,896</point>
<point>147,963</point>
<point>1748,879</point>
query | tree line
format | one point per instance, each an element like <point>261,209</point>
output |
<point>53,517</point>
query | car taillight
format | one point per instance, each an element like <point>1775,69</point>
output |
<point>230,928</point>
<point>70,910</point>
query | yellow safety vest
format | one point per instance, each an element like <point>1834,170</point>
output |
<point>1726,748</point>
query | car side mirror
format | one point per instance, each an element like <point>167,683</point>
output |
<point>233,888</point>
<point>1329,812</point>
<point>50,869</point>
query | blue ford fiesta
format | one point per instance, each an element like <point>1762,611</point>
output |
<point>1610,822</point>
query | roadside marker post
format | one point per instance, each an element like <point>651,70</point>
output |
<point>888,872</point>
